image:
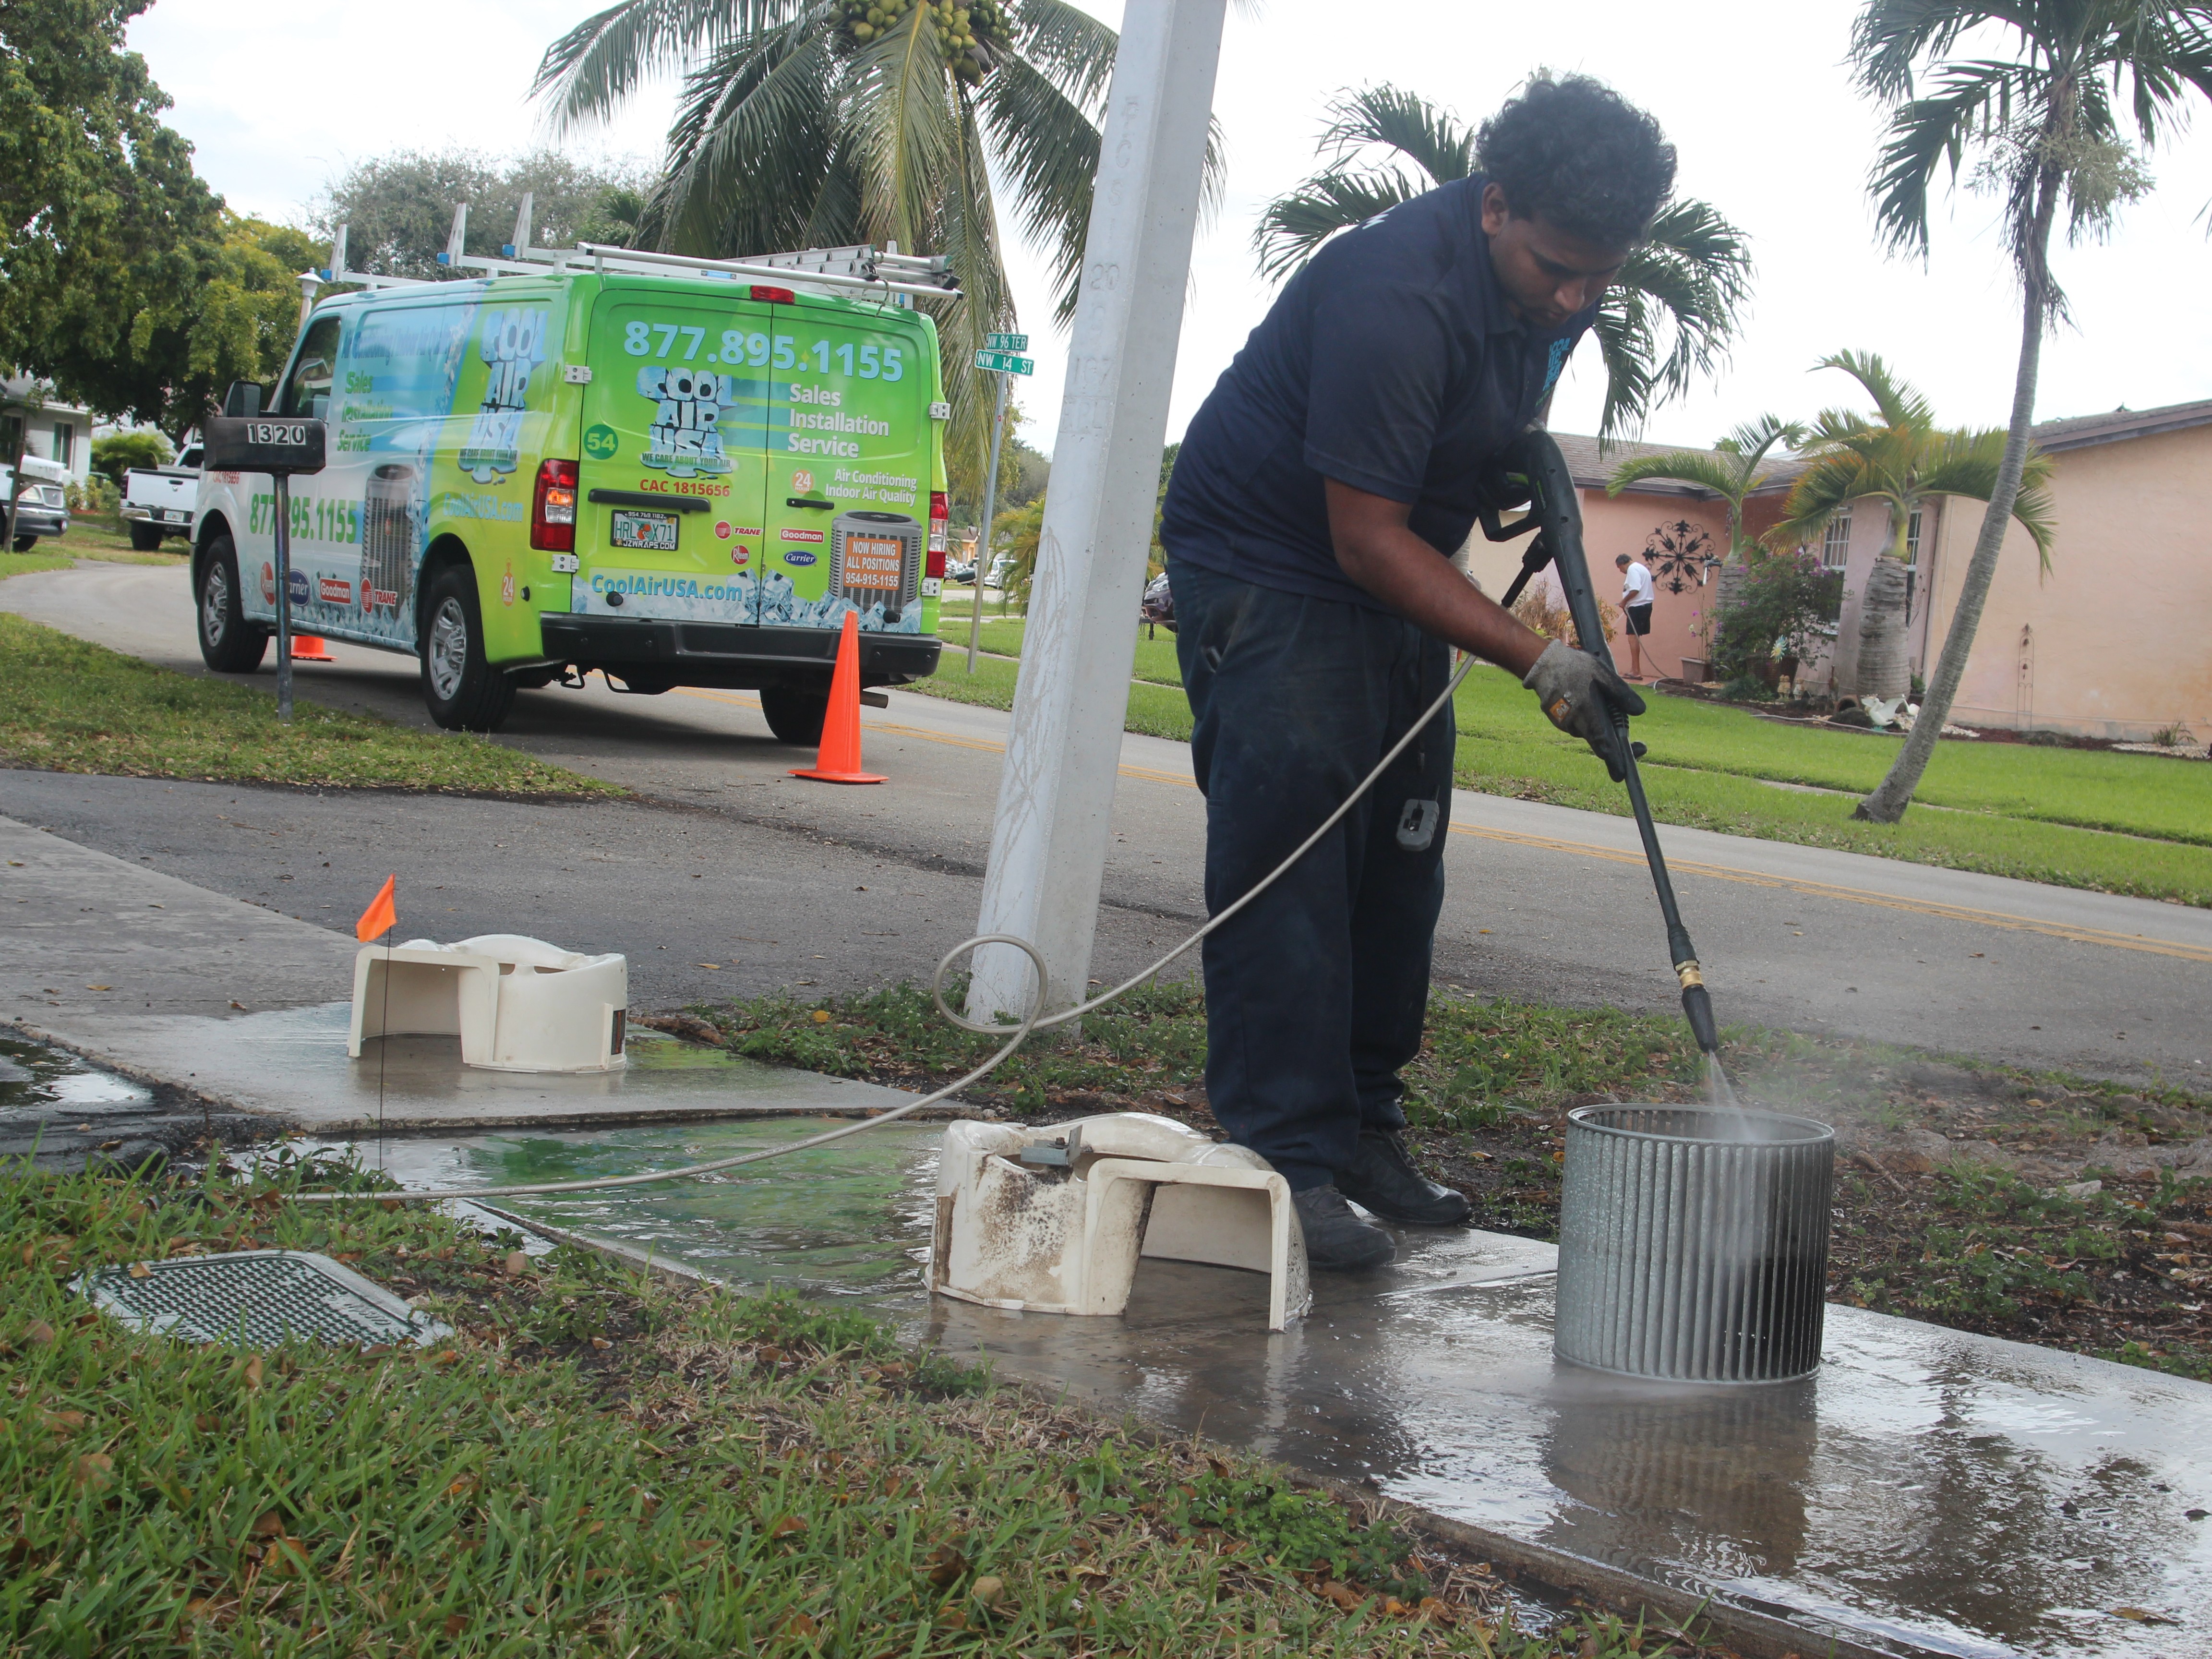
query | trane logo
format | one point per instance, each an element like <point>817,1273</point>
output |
<point>803,535</point>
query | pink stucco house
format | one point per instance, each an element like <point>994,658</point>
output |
<point>2115,642</point>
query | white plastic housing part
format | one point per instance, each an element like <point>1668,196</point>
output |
<point>1045,1240</point>
<point>517,1004</point>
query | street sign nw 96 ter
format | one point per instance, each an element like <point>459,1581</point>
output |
<point>1005,342</point>
<point>1005,363</point>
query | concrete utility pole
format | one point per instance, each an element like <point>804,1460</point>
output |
<point>1055,796</point>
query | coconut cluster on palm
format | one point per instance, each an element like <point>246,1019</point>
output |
<point>970,39</point>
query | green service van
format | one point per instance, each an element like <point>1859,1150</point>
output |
<point>673,472</point>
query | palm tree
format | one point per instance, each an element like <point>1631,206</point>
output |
<point>2045,119</point>
<point>1903,458</point>
<point>1666,318</point>
<point>825,123</point>
<point>1732,470</point>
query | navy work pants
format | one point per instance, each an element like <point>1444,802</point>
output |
<point>1315,995</point>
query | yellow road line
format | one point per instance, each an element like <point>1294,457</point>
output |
<point>1998,919</point>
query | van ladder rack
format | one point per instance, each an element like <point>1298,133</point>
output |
<point>863,269</point>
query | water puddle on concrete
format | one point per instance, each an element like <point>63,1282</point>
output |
<point>851,1219</point>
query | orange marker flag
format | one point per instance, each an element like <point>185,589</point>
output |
<point>382,915</point>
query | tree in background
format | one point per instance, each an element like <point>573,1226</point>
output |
<point>2045,116</point>
<point>1666,318</point>
<point>1734,468</point>
<point>824,123</point>
<point>1902,458</point>
<point>101,219</point>
<point>244,318</point>
<point>119,452</point>
<point>398,208</point>
<point>1785,605</point>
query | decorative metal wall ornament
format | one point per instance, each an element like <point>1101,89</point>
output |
<point>1679,555</point>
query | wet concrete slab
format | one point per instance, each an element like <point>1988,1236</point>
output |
<point>291,1064</point>
<point>1929,1491</point>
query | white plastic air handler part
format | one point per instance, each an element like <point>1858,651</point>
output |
<point>517,1004</point>
<point>1052,1221</point>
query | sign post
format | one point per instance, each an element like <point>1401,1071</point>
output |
<point>996,355</point>
<point>249,442</point>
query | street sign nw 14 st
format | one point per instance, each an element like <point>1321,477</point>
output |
<point>1005,342</point>
<point>1005,362</point>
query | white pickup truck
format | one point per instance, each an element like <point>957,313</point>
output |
<point>159,500</point>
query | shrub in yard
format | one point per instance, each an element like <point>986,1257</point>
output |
<point>1783,607</point>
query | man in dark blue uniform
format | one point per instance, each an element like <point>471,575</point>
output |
<point>1317,499</point>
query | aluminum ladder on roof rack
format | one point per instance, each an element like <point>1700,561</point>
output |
<point>853,271</point>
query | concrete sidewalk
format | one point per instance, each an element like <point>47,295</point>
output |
<point>240,1007</point>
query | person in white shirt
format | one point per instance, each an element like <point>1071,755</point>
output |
<point>1636,593</point>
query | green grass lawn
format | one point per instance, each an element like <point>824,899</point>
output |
<point>599,1463</point>
<point>74,707</point>
<point>104,539</point>
<point>2139,825</point>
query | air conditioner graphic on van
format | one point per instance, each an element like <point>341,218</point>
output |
<point>686,438</point>
<point>512,345</point>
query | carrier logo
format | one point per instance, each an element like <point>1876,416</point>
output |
<point>334,590</point>
<point>801,559</point>
<point>803,535</point>
<point>298,588</point>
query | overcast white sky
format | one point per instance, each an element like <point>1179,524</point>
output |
<point>279,98</point>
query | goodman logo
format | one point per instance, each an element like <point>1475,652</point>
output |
<point>803,536</point>
<point>334,590</point>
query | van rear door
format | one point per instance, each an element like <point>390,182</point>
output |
<point>674,466</point>
<point>851,448</point>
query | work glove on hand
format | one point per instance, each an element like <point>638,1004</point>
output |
<point>1578,693</point>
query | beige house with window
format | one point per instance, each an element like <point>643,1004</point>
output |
<point>2115,642</point>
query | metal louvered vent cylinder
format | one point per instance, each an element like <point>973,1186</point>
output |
<point>389,538</point>
<point>1693,1243</point>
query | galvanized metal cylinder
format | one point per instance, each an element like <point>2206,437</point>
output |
<point>1693,1243</point>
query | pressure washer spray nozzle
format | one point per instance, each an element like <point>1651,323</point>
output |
<point>1698,1007</point>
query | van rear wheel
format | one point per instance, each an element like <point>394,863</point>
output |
<point>229,644</point>
<point>462,689</point>
<point>795,716</point>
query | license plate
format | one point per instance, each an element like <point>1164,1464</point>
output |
<point>645,533</point>
<point>175,518</point>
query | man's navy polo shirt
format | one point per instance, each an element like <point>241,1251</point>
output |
<point>1392,363</point>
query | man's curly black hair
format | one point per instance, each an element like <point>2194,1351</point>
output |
<point>1577,154</point>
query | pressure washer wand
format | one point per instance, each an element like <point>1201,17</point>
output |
<point>1557,514</point>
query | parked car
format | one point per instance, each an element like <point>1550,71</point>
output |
<point>959,574</point>
<point>996,576</point>
<point>42,504</point>
<point>1155,609</point>
<point>159,500</point>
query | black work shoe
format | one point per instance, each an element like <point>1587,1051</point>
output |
<point>1383,1181</point>
<point>1334,1237</point>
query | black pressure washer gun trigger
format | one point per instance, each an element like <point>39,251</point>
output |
<point>1535,473</point>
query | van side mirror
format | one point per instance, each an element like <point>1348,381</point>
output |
<point>242,400</point>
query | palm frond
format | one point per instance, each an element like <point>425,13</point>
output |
<point>1429,136</point>
<point>1754,438</point>
<point>1967,463</point>
<point>1723,477</point>
<point>751,147</point>
<point>1900,404</point>
<point>1072,49</point>
<point>1627,343</point>
<point>600,62</point>
<point>1827,487</point>
<point>1927,133</point>
<point>1293,225</point>
<point>1048,149</point>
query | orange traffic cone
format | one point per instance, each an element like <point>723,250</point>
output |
<point>309,648</point>
<point>838,760</point>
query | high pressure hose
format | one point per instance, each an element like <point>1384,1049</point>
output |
<point>1015,1035</point>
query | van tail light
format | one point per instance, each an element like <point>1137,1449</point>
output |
<point>553,508</point>
<point>775,296</point>
<point>940,519</point>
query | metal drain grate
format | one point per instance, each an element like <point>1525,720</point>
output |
<point>257,1296</point>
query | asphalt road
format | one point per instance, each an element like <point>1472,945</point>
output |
<point>845,887</point>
